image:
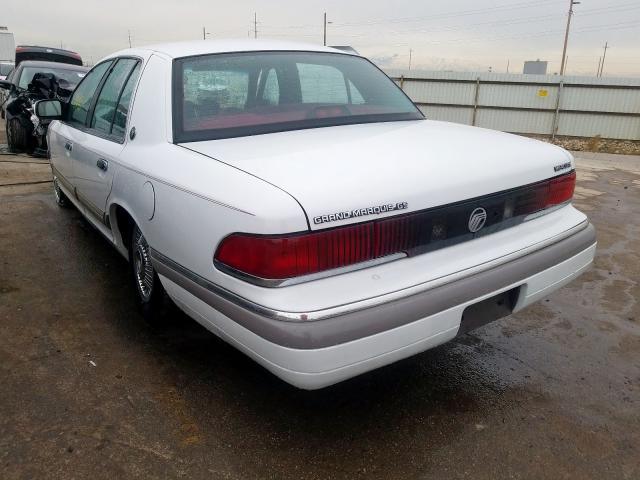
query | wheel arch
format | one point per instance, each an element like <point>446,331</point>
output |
<point>122,223</point>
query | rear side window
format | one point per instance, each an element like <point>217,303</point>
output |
<point>122,110</point>
<point>105,109</point>
<point>83,96</point>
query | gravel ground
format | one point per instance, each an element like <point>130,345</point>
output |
<point>595,144</point>
<point>90,391</point>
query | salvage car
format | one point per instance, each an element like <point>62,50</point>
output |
<point>295,202</point>
<point>20,92</point>
<point>46,54</point>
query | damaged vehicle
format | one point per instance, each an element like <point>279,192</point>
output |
<point>295,202</point>
<point>47,54</point>
<point>30,82</point>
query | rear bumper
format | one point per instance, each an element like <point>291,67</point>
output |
<point>341,343</point>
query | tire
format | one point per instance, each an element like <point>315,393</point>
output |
<point>61,198</point>
<point>16,135</point>
<point>8,135</point>
<point>149,291</point>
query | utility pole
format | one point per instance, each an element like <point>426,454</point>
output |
<point>324,41</point>
<point>598,69</point>
<point>255,25</point>
<point>129,34</point>
<point>410,55</point>
<point>508,61</point>
<point>205,33</point>
<point>606,46</point>
<point>566,36</point>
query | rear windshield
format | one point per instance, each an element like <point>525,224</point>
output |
<point>67,78</point>
<point>230,95</point>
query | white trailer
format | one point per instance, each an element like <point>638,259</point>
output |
<point>7,45</point>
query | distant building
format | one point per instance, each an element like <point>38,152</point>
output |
<point>535,67</point>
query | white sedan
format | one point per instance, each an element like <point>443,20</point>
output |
<point>296,203</point>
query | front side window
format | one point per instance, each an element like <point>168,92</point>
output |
<point>105,109</point>
<point>230,95</point>
<point>83,95</point>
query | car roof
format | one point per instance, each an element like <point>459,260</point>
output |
<point>57,65</point>
<point>203,47</point>
<point>38,48</point>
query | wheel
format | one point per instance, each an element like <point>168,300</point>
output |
<point>8,135</point>
<point>16,135</point>
<point>150,293</point>
<point>61,198</point>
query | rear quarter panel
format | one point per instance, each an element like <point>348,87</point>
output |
<point>185,203</point>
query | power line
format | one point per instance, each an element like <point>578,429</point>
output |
<point>466,40</point>
<point>507,22</point>
<point>498,23</point>
<point>462,13</point>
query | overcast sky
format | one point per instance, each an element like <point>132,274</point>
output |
<point>470,35</point>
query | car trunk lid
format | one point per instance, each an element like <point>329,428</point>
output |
<point>382,169</point>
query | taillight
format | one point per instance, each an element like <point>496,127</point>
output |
<point>287,256</point>
<point>280,257</point>
<point>561,189</point>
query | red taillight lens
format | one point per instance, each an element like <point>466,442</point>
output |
<point>561,189</point>
<point>279,257</point>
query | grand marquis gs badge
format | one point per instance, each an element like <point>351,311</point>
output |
<point>360,212</point>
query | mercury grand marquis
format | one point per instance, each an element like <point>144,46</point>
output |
<point>295,202</point>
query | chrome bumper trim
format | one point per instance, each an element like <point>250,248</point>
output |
<point>355,320</point>
<point>338,310</point>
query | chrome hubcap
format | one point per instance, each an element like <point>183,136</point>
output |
<point>142,267</point>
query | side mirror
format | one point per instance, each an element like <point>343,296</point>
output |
<point>48,109</point>
<point>5,85</point>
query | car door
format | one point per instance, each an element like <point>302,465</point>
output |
<point>63,135</point>
<point>100,144</point>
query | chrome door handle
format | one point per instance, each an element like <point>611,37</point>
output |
<point>68,146</point>
<point>102,164</point>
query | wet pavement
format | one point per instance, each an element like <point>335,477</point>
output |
<point>88,390</point>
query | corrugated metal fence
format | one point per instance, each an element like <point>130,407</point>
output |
<point>529,104</point>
